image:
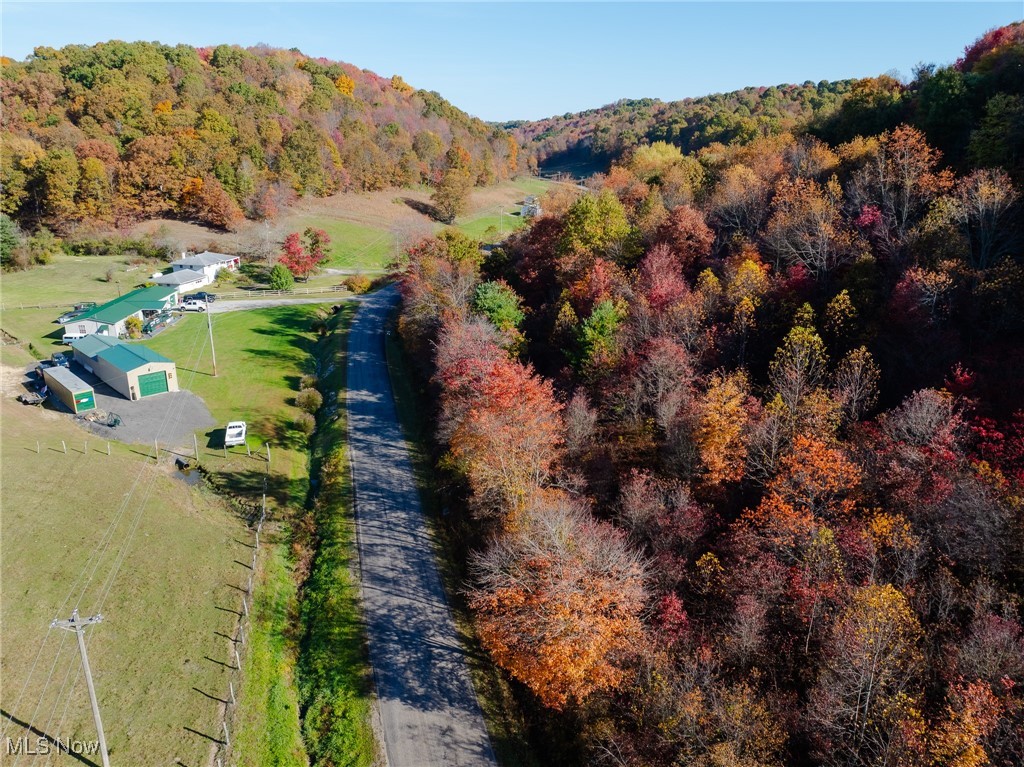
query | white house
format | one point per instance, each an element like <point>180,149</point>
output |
<point>207,263</point>
<point>183,280</point>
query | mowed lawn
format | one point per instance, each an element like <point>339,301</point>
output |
<point>70,279</point>
<point>353,245</point>
<point>168,571</point>
<point>261,355</point>
<point>493,227</point>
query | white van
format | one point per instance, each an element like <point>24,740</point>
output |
<point>234,434</point>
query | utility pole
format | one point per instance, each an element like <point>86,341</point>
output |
<point>78,625</point>
<point>209,325</point>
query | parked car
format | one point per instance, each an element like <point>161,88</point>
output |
<point>193,306</point>
<point>202,296</point>
<point>234,434</point>
<point>60,359</point>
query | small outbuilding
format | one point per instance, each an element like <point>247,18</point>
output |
<point>70,389</point>
<point>134,370</point>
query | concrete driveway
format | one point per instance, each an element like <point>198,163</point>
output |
<point>429,712</point>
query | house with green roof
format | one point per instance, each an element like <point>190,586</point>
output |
<point>134,370</point>
<point>109,319</point>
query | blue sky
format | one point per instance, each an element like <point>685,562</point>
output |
<point>504,60</point>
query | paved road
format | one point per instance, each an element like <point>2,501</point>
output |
<point>429,712</point>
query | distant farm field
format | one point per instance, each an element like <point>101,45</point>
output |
<point>353,245</point>
<point>493,227</point>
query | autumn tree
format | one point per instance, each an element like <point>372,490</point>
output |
<point>984,201</point>
<point>806,226</point>
<point>720,433</point>
<point>797,373</point>
<point>595,225</point>
<point>60,174</point>
<point>557,602</point>
<point>865,696</point>
<point>439,279</point>
<point>814,487</point>
<point>856,383</point>
<point>687,234</point>
<point>302,254</point>
<point>900,178</point>
<point>509,439</point>
<point>451,194</point>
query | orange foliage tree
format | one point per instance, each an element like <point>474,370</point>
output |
<point>813,486</point>
<point>509,439</point>
<point>557,602</point>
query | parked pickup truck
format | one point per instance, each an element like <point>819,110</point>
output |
<point>194,306</point>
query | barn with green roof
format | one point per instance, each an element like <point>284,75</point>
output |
<point>134,370</point>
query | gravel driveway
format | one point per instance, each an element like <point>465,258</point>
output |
<point>170,418</point>
<point>221,306</point>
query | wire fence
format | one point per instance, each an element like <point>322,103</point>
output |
<point>223,745</point>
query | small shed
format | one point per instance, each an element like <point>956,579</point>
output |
<point>70,389</point>
<point>134,370</point>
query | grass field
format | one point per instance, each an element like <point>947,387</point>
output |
<point>353,245</point>
<point>69,279</point>
<point>493,227</point>
<point>159,656</point>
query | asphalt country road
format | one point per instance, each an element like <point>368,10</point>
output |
<point>428,708</point>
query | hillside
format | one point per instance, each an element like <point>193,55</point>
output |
<point>120,131</point>
<point>736,441</point>
<point>603,135</point>
<point>971,110</point>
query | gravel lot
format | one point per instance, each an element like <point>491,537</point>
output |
<point>170,418</point>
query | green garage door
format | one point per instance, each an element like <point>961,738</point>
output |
<point>152,383</point>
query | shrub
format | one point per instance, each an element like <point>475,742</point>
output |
<point>358,283</point>
<point>134,327</point>
<point>309,381</point>
<point>305,423</point>
<point>309,400</point>
<point>280,278</point>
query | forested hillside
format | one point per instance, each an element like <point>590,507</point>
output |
<point>123,131</point>
<point>606,134</point>
<point>737,443</point>
<point>971,110</point>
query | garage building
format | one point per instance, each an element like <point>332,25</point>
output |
<point>70,389</point>
<point>131,369</point>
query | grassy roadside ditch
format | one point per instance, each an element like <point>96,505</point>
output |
<point>334,679</point>
<point>306,699</point>
<point>505,723</point>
